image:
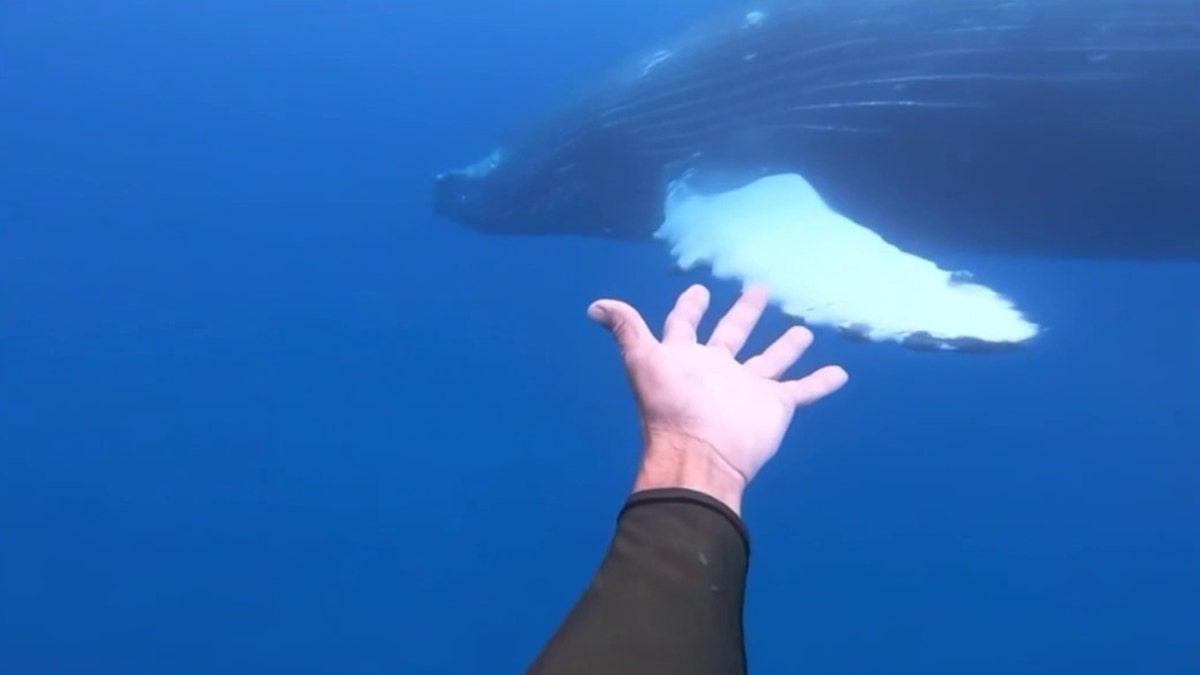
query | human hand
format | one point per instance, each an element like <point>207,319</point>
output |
<point>702,410</point>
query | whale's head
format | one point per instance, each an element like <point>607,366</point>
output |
<point>560,184</point>
<point>477,196</point>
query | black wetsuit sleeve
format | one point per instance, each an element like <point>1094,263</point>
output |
<point>667,598</point>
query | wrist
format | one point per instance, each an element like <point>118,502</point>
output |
<point>679,461</point>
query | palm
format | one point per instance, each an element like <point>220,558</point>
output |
<point>699,390</point>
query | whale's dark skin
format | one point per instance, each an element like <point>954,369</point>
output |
<point>1061,128</point>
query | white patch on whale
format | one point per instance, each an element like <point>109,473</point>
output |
<point>829,270</point>
<point>655,59</point>
<point>485,166</point>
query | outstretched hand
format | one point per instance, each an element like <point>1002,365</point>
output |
<point>697,402</point>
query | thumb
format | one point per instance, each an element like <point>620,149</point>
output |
<point>624,321</point>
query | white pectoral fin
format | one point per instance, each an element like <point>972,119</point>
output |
<point>831,271</point>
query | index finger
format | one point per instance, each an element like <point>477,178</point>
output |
<point>684,319</point>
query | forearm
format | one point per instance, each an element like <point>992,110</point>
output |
<point>669,594</point>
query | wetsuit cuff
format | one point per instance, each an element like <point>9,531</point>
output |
<point>688,496</point>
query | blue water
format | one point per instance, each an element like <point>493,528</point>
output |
<point>261,412</point>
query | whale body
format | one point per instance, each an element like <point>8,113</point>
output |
<point>880,134</point>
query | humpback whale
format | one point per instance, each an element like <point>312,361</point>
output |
<point>834,150</point>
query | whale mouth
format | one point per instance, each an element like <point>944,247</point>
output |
<point>829,271</point>
<point>464,198</point>
<point>454,197</point>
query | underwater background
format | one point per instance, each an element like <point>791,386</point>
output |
<point>262,412</point>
